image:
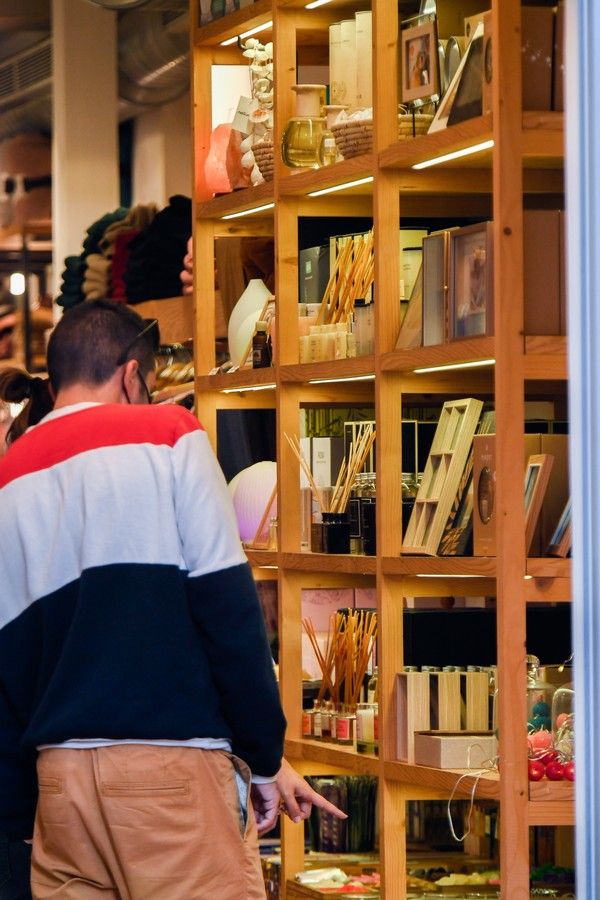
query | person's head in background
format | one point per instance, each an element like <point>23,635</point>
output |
<point>99,351</point>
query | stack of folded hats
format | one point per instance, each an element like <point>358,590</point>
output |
<point>115,245</point>
<point>130,255</point>
<point>72,288</point>
<point>156,254</point>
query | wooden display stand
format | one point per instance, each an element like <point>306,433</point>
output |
<point>526,159</point>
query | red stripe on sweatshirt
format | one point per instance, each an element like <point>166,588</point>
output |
<point>106,425</point>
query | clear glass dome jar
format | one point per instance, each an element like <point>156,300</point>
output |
<point>539,698</point>
<point>563,721</point>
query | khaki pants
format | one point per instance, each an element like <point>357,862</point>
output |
<point>136,822</point>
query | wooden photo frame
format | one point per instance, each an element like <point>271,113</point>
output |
<point>471,282</point>
<point>537,474</point>
<point>560,542</point>
<point>420,63</point>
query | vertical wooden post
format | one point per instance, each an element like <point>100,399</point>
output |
<point>388,413</point>
<point>510,416</point>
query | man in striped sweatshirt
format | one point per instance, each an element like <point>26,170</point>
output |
<point>134,666</point>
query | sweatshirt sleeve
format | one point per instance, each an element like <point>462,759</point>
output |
<point>224,604</point>
<point>18,779</point>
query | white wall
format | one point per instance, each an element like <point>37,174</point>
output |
<point>162,153</point>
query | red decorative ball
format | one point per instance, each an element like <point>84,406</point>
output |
<point>535,770</point>
<point>555,771</point>
<point>569,770</point>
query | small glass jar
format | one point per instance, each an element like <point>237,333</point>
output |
<point>539,698</point>
<point>365,728</point>
<point>307,715</point>
<point>373,688</point>
<point>367,515</point>
<point>326,722</point>
<point>346,726</point>
<point>354,514</point>
<point>409,492</point>
<point>336,533</point>
<point>317,722</point>
<point>563,721</point>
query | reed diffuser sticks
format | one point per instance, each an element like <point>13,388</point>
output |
<point>350,280</point>
<point>351,466</point>
<point>346,656</point>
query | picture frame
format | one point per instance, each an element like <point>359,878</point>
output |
<point>468,102</point>
<point>471,282</point>
<point>420,63</point>
<point>411,329</point>
<point>440,120</point>
<point>560,542</point>
<point>537,474</point>
<point>435,287</point>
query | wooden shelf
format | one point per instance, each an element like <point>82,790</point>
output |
<point>551,803</point>
<point>453,353</point>
<point>548,567</point>
<point>303,181</point>
<point>361,367</point>
<point>238,202</point>
<point>346,759</point>
<point>444,780</point>
<point>542,144</point>
<point>243,379</point>
<point>450,566</point>
<point>235,23</point>
<point>545,358</point>
<point>328,562</point>
<point>261,558</point>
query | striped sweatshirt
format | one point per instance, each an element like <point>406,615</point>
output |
<point>127,608</point>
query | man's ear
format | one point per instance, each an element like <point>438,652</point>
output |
<point>130,370</point>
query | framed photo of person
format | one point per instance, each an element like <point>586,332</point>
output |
<point>420,63</point>
<point>471,294</point>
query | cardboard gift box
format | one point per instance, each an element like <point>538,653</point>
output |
<point>455,750</point>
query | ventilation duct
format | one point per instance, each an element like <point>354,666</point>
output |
<point>25,88</point>
<point>153,52</point>
<point>154,61</point>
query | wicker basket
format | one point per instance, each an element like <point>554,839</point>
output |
<point>264,154</point>
<point>355,136</point>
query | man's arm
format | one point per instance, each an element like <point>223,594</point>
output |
<point>224,604</point>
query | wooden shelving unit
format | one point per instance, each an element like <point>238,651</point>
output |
<point>527,157</point>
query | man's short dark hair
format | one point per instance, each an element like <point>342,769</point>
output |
<point>87,342</point>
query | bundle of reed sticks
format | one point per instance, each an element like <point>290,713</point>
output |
<point>351,466</point>
<point>345,659</point>
<point>350,280</point>
<point>359,453</point>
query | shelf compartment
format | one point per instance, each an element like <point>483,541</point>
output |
<point>238,202</point>
<point>361,367</point>
<point>243,379</point>
<point>235,23</point>
<point>488,786</point>
<point>328,562</point>
<point>335,755</point>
